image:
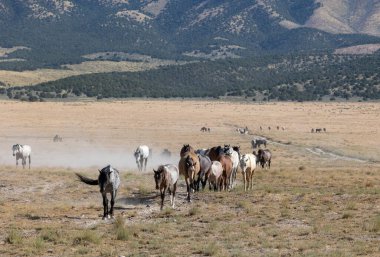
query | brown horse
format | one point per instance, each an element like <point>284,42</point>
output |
<point>189,167</point>
<point>186,148</point>
<point>226,162</point>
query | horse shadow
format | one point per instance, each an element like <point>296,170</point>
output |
<point>137,199</point>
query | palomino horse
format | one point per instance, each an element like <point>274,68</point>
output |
<point>248,166</point>
<point>215,176</point>
<point>109,182</point>
<point>141,154</point>
<point>205,165</point>
<point>166,177</point>
<point>228,150</point>
<point>22,152</point>
<point>264,157</point>
<point>189,167</point>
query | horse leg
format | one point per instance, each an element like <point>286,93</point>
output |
<point>113,197</point>
<point>252,180</point>
<point>23,162</point>
<point>146,160</point>
<point>163,191</point>
<point>29,161</point>
<point>105,206</point>
<point>172,196</point>
<point>188,189</point>
<point>245,180</point>
<point>16,162</point>
<point>269,163</point>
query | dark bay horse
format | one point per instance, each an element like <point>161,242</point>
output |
<point>189,167</point>
<point>214,152</point>
<point>166,177</point>
<point>109,182</point>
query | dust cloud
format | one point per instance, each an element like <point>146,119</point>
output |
<point>81,153</point>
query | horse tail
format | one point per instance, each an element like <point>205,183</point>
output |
<point>87,180</point>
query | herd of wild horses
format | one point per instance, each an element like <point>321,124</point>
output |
<point>218,165</point>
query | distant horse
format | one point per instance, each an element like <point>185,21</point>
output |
<point>324,129</point>
<point>264,157</point>
<point>22,152</point>
<point>166,177</point>
<point>228,150</point>
<point>109,182</point>
<point>141,154</point>
<point>186,148</point>
<point>214,178</point>
<point>242,130</point>
<point>205,165</point>
<point>258,142</point>
<point>166,154</point>
<point>248,166</point>
<point>57,138</point>
<point>189,167</point>
<point>318,130</point>
<point>312,130</point>
<point>203,129</point>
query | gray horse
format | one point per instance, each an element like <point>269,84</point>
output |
<point>205,165</point>
<point>109,182</point>
<point>264,157</point>
<point>258,142</point>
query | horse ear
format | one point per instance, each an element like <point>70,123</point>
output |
<point>99,171</point>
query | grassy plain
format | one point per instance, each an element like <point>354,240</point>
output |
<point>310,203</point>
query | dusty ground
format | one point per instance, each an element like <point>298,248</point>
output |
<point>320,198</point>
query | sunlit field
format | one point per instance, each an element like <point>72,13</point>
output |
<point>319,198</point>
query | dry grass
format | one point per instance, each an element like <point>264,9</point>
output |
<point>326,208</point>
<point>29,78</point>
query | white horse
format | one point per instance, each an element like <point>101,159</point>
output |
<point>228,150</point>
<point>248,166</point>
<point>141,155</point>
<point>22,152</point>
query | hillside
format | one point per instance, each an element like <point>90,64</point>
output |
<point>74,44</point>
<point>60,32</point>
<point>280,77</point>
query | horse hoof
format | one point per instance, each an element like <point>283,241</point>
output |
<point>104,218</point>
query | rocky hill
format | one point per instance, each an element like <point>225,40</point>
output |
<point>56,32</point>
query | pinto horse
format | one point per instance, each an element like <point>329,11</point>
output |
<point>189,167</point>
<point>22,152</point>
<point>109,182</point>
<point>248,166</point>
<point>166,177</point>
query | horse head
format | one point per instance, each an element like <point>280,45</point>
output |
<point>158,176</point>
<point>190,164</point>
<point>105,177</point>
<point>16,149</point>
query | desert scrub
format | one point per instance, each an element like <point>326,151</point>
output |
<point>14,237</point>
<point>122,232</point>
<point>85,237</point>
